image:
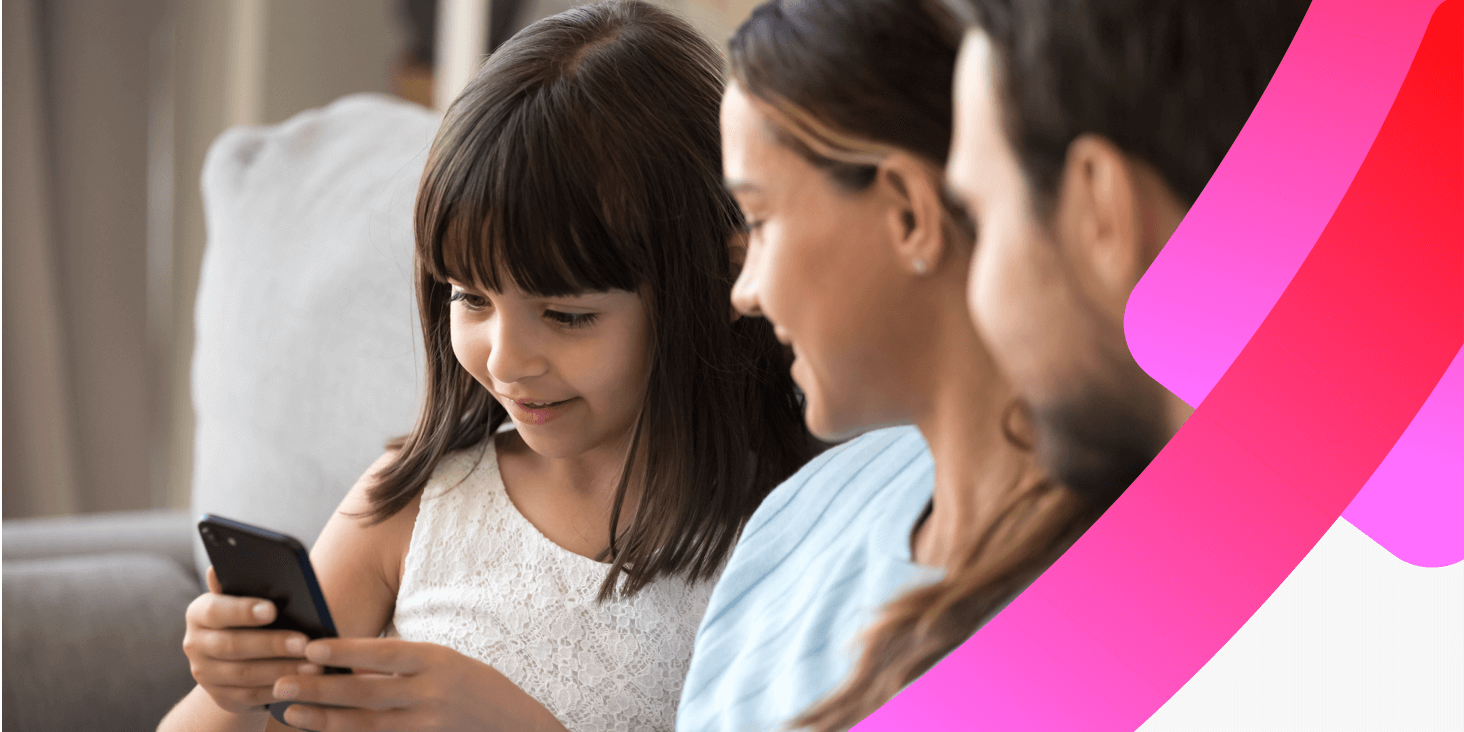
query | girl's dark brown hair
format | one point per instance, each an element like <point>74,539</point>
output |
<point>585,156</point>
<point>1171,81</point>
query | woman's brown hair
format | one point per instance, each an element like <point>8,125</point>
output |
<point>585,156</point>
<point>1171,81</point>
<point>809,66</point>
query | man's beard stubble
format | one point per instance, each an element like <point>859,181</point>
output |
<point>1098,440</point>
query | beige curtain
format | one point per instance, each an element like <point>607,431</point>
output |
<point>39,475</point>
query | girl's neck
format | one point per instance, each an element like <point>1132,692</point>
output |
<point>568,499</point>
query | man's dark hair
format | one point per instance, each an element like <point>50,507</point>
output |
<point>1169,81</point>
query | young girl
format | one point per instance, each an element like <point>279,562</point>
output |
<point>573,277</point>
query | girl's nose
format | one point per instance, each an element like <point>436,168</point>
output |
<point>515,353</point>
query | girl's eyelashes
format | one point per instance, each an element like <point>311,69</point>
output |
<point>559,318</point>
<point>471,302</point>
<point>571,320</point>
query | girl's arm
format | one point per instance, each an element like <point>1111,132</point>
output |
<point>359,569</point>
<point>399,684</point>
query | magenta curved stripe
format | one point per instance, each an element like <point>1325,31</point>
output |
<point>1414,504</point>
<point>1243,240</point>
<point>1365,326</point>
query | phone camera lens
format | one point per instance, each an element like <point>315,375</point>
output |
<point>232,542</point>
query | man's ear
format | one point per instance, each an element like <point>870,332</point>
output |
<point>1099,220</point>
<point>916,218</point>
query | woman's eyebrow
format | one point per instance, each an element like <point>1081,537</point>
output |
<point>738,185</point>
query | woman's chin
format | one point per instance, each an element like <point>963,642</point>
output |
<point>826,426</point>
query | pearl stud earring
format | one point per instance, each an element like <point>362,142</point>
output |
<point>920,266</point>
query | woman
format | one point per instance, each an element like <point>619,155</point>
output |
<point>836,127</point>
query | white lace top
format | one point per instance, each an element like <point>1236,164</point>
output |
<point>479,578</point>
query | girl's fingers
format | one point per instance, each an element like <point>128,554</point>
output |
<point>245,645</point>
<point>376,692</point>
<point>238,699</point>
<point>248,674</point>
<point>210,610</point>
<point>213,582</point>
<point>353,720</point>
<point>382,655</point>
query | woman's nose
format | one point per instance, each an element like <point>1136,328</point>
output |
<point>514,353</point>
<point>744,290</point>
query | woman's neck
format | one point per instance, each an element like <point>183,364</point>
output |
<point>977,468</point>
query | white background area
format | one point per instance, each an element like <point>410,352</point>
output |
<point>1354,639</point>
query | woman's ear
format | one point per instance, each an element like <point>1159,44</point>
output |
<point>916,218</point>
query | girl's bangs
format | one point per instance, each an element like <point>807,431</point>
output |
<point>501,205</point>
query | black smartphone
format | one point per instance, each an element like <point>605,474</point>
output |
<point>254,562</point>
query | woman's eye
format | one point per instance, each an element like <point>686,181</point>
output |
<point>570,320</point>
<point>471,302</point>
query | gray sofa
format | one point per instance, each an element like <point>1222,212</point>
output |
<point>306,362</point>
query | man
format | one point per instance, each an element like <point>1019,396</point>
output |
<point>1083,133</point>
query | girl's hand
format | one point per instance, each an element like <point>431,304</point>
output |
<point>400,685</point>
<point>237,666</point>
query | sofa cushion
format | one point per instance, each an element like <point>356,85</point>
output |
<point>165,532</point>
<point>94,642</point>
<point>307,358</point>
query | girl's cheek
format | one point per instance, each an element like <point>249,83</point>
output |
<point>472,354</point>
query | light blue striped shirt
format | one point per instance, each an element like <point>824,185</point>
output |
<point>814,567</point>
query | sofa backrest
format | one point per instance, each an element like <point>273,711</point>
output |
<point>307,356</point>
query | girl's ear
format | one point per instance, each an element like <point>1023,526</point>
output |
<point>916,217</point>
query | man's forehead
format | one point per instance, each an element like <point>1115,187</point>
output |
<point>974,78</point>
<point>978,139</point>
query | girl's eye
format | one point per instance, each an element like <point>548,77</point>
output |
<point>571,320</point>
<point>750,226</point>
<point>471,302</point>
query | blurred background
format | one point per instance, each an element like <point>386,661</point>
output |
<point>109,108</point>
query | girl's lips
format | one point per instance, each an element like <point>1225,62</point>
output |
<point>539,413</point>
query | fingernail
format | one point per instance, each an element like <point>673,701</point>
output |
<point>309,669</point>
<point>261,610</point>
<point>286,690</point>
<point>297,717</point>
<point>295,645</point>
<point>317,653</point>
